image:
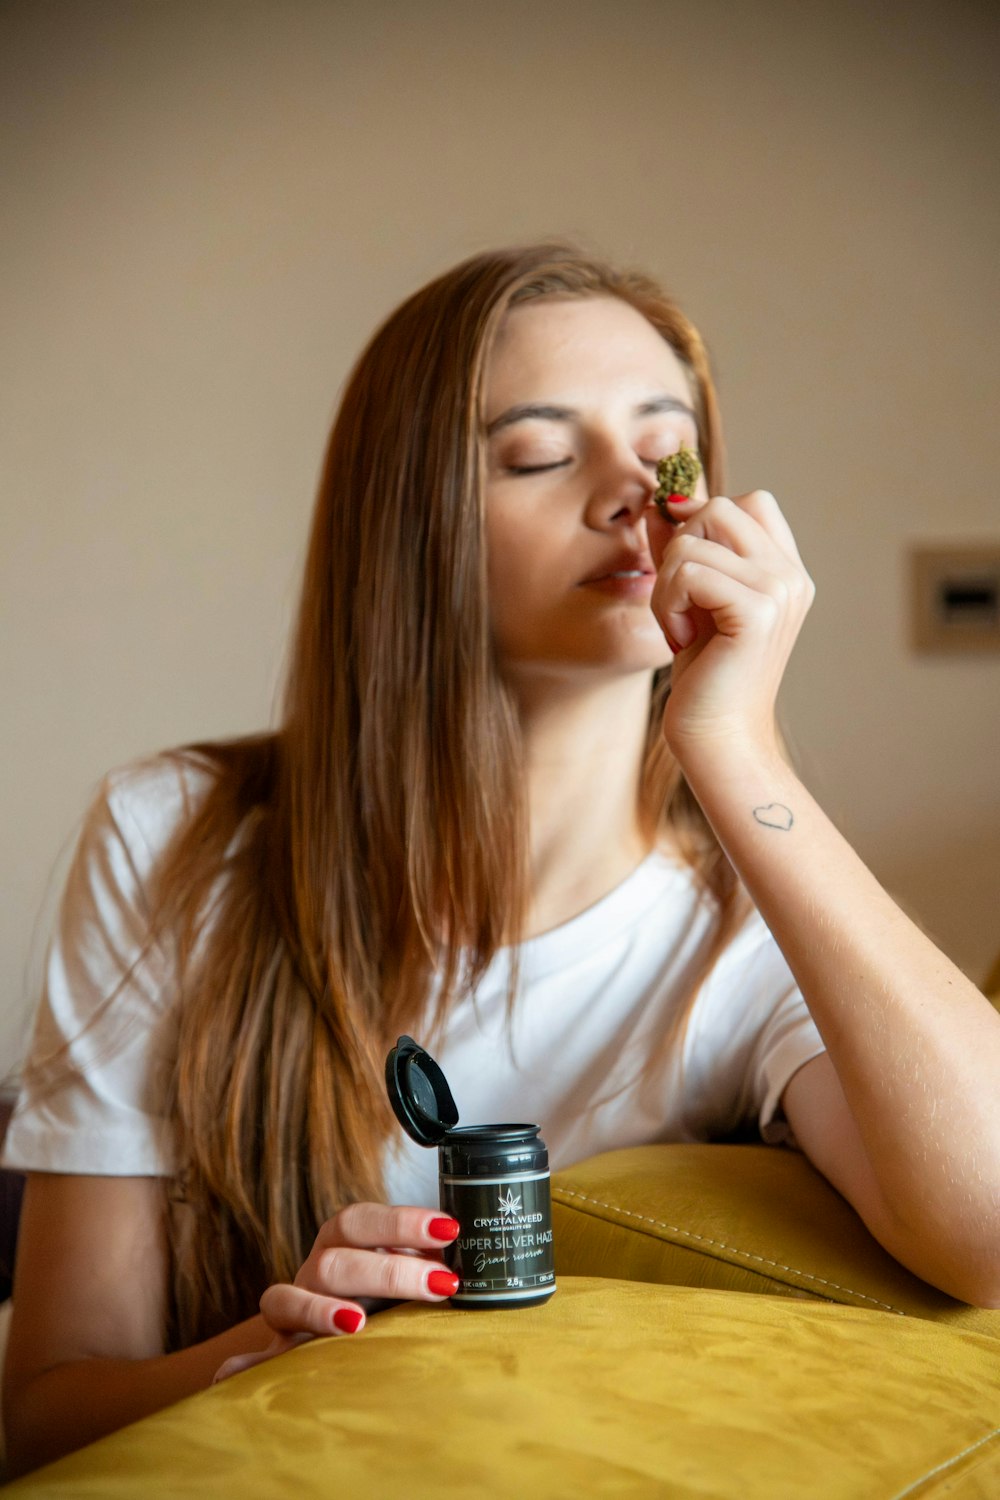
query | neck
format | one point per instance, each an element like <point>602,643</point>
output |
<point>583,754</point>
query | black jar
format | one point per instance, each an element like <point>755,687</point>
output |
<point>493,1179</point>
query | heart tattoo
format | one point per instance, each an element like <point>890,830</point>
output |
<point>774,815</point>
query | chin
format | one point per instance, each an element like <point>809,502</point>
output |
<point>587,653</point>
<point>647,654</point>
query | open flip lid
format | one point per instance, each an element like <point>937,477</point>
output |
<point>419,1094</point>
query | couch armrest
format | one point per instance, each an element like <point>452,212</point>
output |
<point>613,1388</point>
<point>736,1218</point>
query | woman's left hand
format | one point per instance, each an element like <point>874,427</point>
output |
<point>730,596</point>
<point>366,1256</point>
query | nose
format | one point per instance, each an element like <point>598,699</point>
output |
<point>621,486</point>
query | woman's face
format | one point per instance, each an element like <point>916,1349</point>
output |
<point>582,397</point>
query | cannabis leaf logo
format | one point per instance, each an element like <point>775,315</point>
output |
<point>510,1205</point>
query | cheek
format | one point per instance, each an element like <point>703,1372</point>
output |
<point>505,577</point>
<point>513,594</point>
<point>515,562</point>
<point>525,583</point>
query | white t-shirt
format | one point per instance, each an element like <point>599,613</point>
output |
<point>594,998</point>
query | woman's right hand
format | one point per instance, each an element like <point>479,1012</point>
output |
<point>366,1251</point>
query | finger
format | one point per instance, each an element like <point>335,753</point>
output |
<point>238,1364</point>
<point>346,1271</point>
<point>670,595</point>
<point>373,1225</point>
<point>764,508</point>
<point>689,547</point>
<point>280,1344</point>
<point>662,521</point>
<point>725,521</point>
<point>745,523</point>
<point>735,607</point>
<point>294,1310</point>
<point>719,519</point>
<point>660,530</point>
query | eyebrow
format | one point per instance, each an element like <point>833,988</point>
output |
<point>531,411</point>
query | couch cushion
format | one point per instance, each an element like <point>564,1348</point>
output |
<point>738,1218</point>
<point>611,1388</point>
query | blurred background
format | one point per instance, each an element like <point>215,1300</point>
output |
<point>207,206</point>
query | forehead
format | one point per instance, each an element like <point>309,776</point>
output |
<point>576,347</point>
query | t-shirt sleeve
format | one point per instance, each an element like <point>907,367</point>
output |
<point>753,1033</point>
<point>786,1043</point>
<point>93,1097</point>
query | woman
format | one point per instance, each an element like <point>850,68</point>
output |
<point>494,818</point>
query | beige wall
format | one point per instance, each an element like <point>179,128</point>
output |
<point>207,206</point>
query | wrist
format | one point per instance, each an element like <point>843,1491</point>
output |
<point>724,756</point>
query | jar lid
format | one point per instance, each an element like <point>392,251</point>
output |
<point>419,1094</point>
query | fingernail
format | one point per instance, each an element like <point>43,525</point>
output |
<point>348,1319</point>
<point>442,1283</point>
<point>673,645</point>
<point>679,499</point>
<point>443,1229</point>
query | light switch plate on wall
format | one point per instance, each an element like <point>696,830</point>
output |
<point>955,597</point>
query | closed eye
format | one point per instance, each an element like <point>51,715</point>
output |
<point>536,468</point>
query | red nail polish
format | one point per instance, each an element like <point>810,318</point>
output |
<point>444,1229</point>
<point>443,1283</point>
<point>347,1319</point>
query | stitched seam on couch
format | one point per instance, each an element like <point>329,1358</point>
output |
<point>917,1484</point>
<point>689,1234</point>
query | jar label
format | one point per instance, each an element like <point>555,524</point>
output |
<point>504,1248</point>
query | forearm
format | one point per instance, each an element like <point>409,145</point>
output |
<point>74,1403</point>
<point>914,1044</point>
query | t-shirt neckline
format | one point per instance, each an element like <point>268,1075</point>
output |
<point>606,919</point>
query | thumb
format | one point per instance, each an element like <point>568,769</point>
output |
<point>658,532</point>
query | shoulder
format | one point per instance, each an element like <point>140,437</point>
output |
<point>130,824</point>
<point>141,807</point>
<point>136,826</point>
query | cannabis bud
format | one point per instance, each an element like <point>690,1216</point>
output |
<point>677,474</point>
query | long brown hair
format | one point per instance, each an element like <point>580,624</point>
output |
<point>377,841</point>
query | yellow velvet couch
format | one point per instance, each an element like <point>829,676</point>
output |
<point>723,1326</point>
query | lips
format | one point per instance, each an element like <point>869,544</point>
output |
<point>626,565</point>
